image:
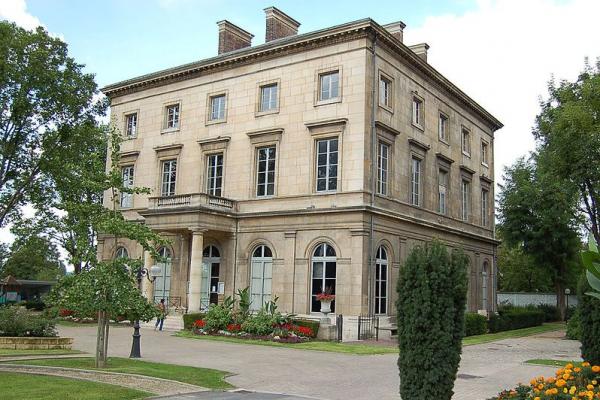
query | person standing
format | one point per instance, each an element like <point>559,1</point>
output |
<point>162,311</point>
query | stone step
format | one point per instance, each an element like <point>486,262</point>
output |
<point>172,323</point>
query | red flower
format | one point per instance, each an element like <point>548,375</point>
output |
<point>234,328</point>
<point>63,312</point>
<point>303,331</point>
<point>199,323</point>
<point>325,297</point>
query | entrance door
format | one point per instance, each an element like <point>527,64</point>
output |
<point>261,277</point>
<point>211,265</point>
<point>162,284</point>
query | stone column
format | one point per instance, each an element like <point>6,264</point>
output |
<point>195,282</point>
<point>147,286</point>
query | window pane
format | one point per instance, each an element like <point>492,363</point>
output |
<point>317,270</point>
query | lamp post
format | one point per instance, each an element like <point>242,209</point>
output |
<point>567,293</point>
<point>151,275</point>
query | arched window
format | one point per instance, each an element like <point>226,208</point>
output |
<point>323,274</point>
<point>261,276</point>
<point>381,281</point>
<point>162,284</point>
<point>121,252</point>
<point>211,268</point>
<point>484,285</point>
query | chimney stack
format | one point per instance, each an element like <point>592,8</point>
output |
<point>279,24</point>
<point>232,37</point>
<point>396,29</point>
<point>420,50</point>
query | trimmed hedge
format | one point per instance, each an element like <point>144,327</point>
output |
<point>515,318</point>
<point>475,324</point>
<point>189,319</point>
<point>314,325</point>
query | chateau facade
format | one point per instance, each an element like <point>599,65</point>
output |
<point>311,162</point>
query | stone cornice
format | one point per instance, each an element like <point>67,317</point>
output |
<point>444,158</point>
<point>298,43</point>
<point>419,144</point>
<point>383,126</point>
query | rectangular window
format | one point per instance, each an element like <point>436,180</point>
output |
<point>329,86</point>
<point>465,190</point>
<point>327,164</point>
<point>131,125</point>
<point>466,141</point>
<point>415,182</point>
<point>265,171</point>
<point>443,127</point>
<point>443,191</point>
<point>169,177</point>
<point>485,198</point>
<point>214,174</point>
<point>268,97</point>
<point>484,153</point>
<point>385,92</point>
<point>417,112</point>
<point>127,198</point>
<point>172,114</point>
<point>382,168</point>
<point>217,107</point>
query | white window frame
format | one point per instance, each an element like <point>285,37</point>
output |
<point>214,172</point>
<point>485,152</point>
<point>383,156</point>
<point>381,260</point>
<point>443,190</point>
<point>328,164</point>
<point>485,207</point>
<point>326,82</point>
<point>386,91</point>
<point>266,171</point>
<point>465,141</point>
<point>261,268</point>
<point>269,98</point>
<point>168,187</point>
<point>172,116</point>
<point>128,175</point>
<point>322,259</point>
<point>465,203</point>
<point>217,108</point>
<point>418,108</point>
<point>416,181</point>
<point>131,125</point>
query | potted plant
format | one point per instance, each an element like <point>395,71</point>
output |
<point>326,297</point>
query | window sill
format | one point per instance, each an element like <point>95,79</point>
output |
<point>386,108</point>
<point>464,153</point>
<point>322,192</point>
<point>444,142</point>
<point>268,112</point>
<point>129,138</point>
<point>328,101</point>
<point>215,122</point>
<point>485,164</point>
<point>169,130</point>
<point>419,127</point>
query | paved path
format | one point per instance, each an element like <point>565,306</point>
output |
<point>485,369</point>
<point>132,381</point>
<point>234,395</point>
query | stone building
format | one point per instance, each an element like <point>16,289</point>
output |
<point>311,162</point>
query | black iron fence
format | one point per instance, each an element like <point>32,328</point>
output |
<point>368,327</point>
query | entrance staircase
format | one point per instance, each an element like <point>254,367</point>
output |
<point>173,323</point>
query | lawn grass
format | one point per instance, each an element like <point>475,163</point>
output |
<point>517,333</point>
<point>552,363</point>
<point>43,352</point>
<point>335,347</point>
<point>40,387</point>
<point>208,378</point>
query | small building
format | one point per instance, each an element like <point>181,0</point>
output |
<point>15,290</point>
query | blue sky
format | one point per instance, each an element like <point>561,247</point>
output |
<point>121,39</point>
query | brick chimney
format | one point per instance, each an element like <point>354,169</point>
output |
<point>232,37</point>
<point>396,29</point>
<point>420,50</point>
<point>279,24</point>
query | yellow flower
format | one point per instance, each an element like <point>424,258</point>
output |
<point>561,383</point>
<point>585,364</point>
<point>596,368</point>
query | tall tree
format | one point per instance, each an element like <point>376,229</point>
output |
<point>518,272</point>
<point>568,131</point>
<point>47,106</point>
<point>33,257</point>
<point>536,211</point>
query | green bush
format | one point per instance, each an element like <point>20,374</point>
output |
<point>17,322</point>
<point>35,304</point>
<point>218,317</point>
<point>475,324</point>
<point>551,313</point>
<point>589,317</point>
<point>260,324</point>
<point>432,290</point>
<point>510,318</point>
<point>313,325</point>
<point>574,326</point>
<point>189,319</point>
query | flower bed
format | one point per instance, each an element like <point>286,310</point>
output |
<point>570,383</point>
<point>283,333</point>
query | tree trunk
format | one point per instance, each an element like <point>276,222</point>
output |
<point>560,300</point>
<point>107,324</point>
<point>100,346</point>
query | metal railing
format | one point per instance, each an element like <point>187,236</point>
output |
<point>191,200</point>
<point>368,327</point>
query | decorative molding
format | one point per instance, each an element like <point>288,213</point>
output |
<point>265,135</point>
<point>444,158</point>
<point>289,235</point>
<point>486,179</point>
<point>359,232</point>
<point>128,157</point>
<point>385,127</point>
<point>421,145</point>
<point>168,150</point>
<point>213,144</point>
<point>467,169</point>
<point>338,123</point>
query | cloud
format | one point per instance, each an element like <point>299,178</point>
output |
<point>504,52</point>
<point>16,11</point>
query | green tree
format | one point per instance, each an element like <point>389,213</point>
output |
<point>536,211</point>
<point>34,258</point>
<point>47,106</point>
<point>517,272</point>
<point>589,319</point>
<point>567,132</point>
<point>432,290</point>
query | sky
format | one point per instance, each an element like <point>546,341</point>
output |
<point>502,53</point>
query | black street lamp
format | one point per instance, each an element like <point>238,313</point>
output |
<point>151,275</point>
